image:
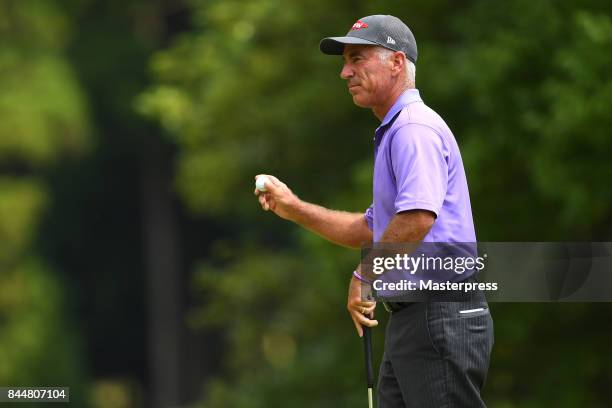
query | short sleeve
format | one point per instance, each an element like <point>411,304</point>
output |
<point>369,217</point>
<point>419,157</point>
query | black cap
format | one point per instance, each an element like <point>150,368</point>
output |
<point>386,31</point>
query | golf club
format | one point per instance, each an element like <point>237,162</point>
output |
<point>367,348</point>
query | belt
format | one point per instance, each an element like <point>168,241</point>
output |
<point>393,307</point>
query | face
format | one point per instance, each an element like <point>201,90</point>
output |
<point>369,79</point>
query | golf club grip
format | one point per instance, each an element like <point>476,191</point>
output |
<point>367,348</point>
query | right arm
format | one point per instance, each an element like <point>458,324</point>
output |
<point>340,227</point>
<point>343,228</point>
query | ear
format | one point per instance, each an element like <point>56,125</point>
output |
<point>399,62</point>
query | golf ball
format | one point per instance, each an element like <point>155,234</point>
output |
<point>260,183</point>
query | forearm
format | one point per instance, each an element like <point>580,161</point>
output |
<point>340,227</point>
<point>408,228</point>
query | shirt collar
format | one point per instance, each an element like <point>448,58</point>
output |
<point>407,97</point>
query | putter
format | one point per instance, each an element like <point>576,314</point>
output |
<point>367,348</point>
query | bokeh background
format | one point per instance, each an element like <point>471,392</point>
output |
<point>135,264</point>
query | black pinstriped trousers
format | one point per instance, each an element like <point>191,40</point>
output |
<point>435,356</point>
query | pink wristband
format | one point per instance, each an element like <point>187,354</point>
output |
<point>360,278</point>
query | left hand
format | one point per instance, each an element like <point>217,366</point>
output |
<point>358,308</point>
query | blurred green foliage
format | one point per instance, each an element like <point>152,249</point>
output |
<point>43,120</point>
<point>525,87</point>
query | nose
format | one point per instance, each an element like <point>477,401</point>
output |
<point>346,72</point>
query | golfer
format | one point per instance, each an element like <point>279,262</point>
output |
<point>436,353</point>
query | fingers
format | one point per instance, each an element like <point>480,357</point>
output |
<point>368,322</point>
<point>266,202</point>
<point>366,308</point>
<point>276,182</point>
<point>366,311</point>
<point>262,202</point>
<point>362,314</point>
<point>359,304</point>
<point>273,184</point>
<point>357,326</point>
<point>360,320</point>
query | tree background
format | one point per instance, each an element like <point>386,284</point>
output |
<point>137,267</point>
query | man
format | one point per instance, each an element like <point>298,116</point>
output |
<point>436,353</point>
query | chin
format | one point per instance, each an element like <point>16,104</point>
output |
<point>360,102</point>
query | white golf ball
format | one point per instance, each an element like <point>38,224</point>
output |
<point>260,183</point>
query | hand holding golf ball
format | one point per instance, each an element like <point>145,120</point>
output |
<point>274,195</point>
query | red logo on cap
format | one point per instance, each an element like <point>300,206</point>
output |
<point>359,24</point>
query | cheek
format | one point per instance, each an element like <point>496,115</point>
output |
<point>369,80</point>
<point>374,82</point>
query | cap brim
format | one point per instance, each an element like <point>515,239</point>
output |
<point>335,45</point>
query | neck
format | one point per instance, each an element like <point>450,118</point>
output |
<point>381,110</point>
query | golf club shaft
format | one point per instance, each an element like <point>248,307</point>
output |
<point>367,348</point>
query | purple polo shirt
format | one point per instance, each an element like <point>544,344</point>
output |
<point>417,165</point>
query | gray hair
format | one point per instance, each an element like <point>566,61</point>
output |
<point>385,53</point>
